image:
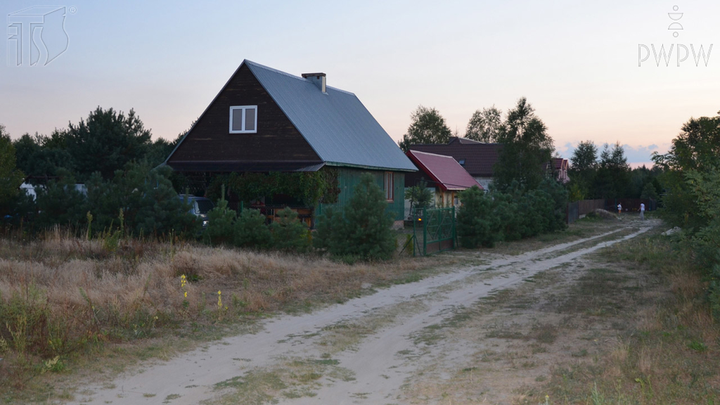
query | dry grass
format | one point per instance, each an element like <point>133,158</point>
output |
<point>64,298</point>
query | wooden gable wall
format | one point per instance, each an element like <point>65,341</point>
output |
<point>276,140</point>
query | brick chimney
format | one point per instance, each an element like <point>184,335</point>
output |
<point>317,79</point>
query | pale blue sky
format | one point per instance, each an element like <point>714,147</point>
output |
<point>576,62</point>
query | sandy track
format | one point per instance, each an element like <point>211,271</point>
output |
<point>376,361</point>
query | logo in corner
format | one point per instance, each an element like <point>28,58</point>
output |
<point>666,54</point>
<point>675,26</point>
<point>36,35</point>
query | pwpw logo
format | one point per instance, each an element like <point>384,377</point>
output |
<point>675,54</point>
<point>36,35</point>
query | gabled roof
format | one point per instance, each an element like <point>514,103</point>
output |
<point>479,158</point>
<point>463,141</point>
<point>445,171</point>
<point>336,124</point>
<point>560,163</point>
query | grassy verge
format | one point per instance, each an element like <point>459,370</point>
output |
<point>668,351</point>
<point>583,228</point>
<point>70,304</point>
<point>72,307</point>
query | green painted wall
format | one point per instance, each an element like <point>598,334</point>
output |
<point>349,178</point>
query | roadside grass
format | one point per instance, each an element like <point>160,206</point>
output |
<point>590,243</point>
<point>292,378</point>
<point>347,335</point>
<point>580,229</point>
<point>73,307</point>
<point>625,325</point>
<point>668,348</point>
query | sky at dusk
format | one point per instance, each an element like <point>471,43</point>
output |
<point>592,70</point>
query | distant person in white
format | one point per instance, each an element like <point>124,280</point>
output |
<point>619,209</point>
<point>642,210</point>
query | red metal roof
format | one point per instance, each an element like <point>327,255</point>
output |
<point>479,158</point>
<point>445,171</point>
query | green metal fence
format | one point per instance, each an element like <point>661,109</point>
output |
<point>434,230</point>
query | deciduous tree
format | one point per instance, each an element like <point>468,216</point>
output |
<point>696,148</point>
<point>427,127</point>
<point>527,148</point>
<point>485,125</point>
<point>583,167</point>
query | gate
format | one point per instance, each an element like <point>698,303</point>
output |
<point>434,230</point>
<point>573,212</point>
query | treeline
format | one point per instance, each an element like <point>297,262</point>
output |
<point>525,200</point>
<point>527,148</point>
<point>525,197</point>
<point>104,142</point>
<point>691,179</point>
<point>609,175</point>
<point>100,175</point>
<point>102,178</point>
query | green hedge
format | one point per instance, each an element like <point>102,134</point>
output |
<point>487,218</point>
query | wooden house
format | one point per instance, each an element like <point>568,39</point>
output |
<point>442,173</point>
<point>475,157</point>
<point>560,169</point>
<point>264,120</point>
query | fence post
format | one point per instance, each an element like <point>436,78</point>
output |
<point>454,232</point>
<point>414,219</point>
<point>567,213</point>
<point>425,221</point>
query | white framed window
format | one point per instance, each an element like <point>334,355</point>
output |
<point>243,119</point>
<point>389,186</point>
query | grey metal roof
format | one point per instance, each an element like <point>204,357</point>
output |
<point>336,124</point>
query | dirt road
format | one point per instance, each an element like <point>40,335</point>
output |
<point>376,349</point>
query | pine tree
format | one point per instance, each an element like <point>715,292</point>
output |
<point>288,233</point>
<point>325,229</point>
<point>251,231</point>
<point>220,229</point>
<point>476,223</point>
<point>10,176</point>
<point>364,230</point>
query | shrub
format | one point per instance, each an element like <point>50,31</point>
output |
<point>505,211</point>
<point>420,196</point>
<point>476,223</point>
<point>530,215</point>
<point>363,229</point>
<point>251,231</point>
<point>288,233</point>
<point>559,197</point>
<point>138,199</point>
<point>220,229</point>
<point>59,203</point>
<point>324,229</point>
<point>148,202</point>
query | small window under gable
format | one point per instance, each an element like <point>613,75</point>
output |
<point>243,119</point>
<point>389,186</point>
